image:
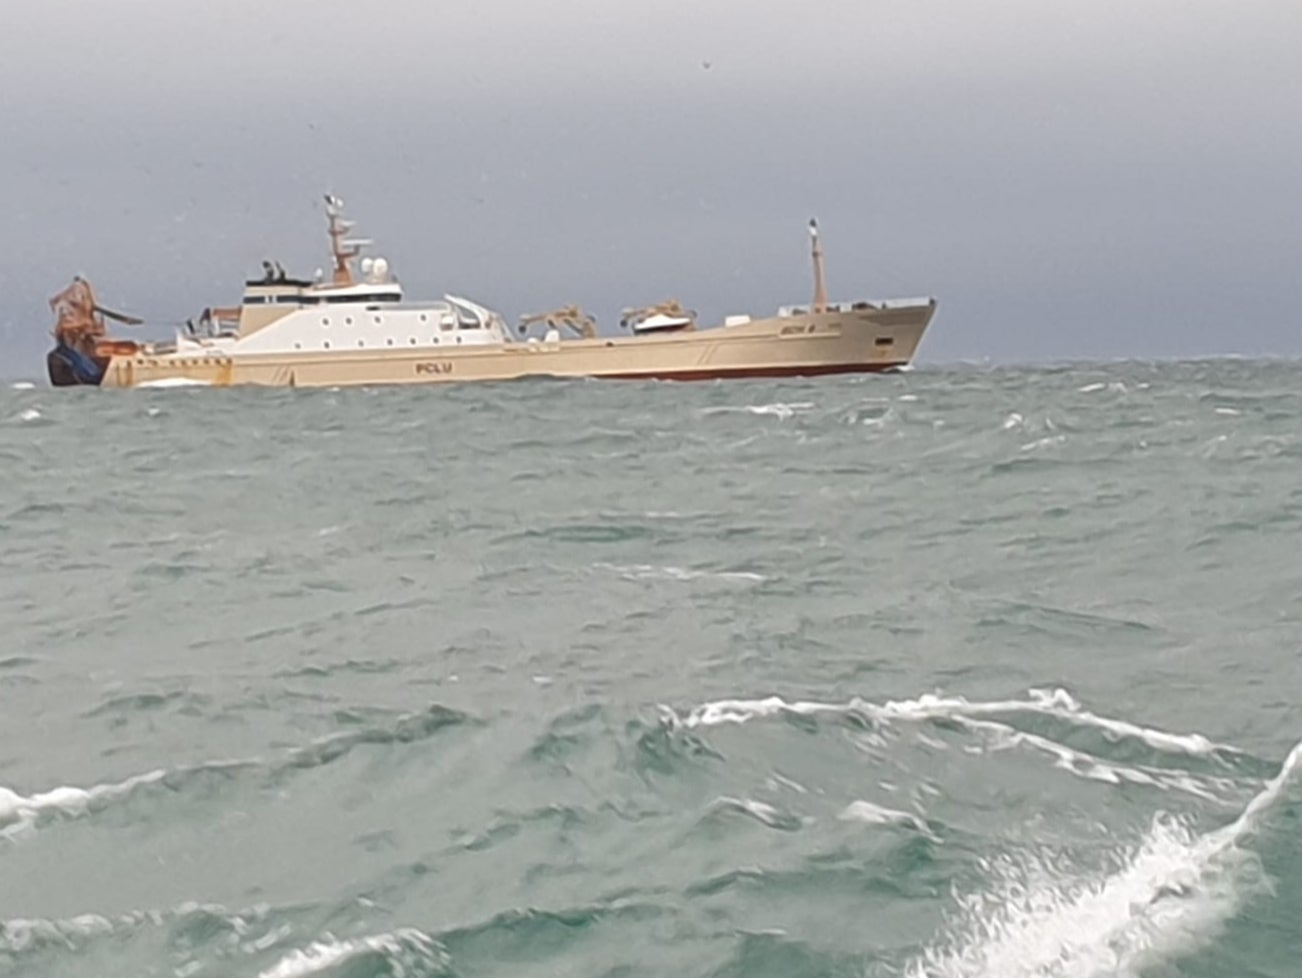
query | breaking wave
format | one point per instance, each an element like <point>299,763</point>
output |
<point>409,952</point>
<point>1079,742</point>
<point>1165,898</point>
<point>22,813</point>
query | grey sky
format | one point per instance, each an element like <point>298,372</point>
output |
<point>1096,179</point>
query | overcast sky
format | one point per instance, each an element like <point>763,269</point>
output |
<point>1069,179</point>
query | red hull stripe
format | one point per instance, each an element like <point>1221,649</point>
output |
<point>809,370</point>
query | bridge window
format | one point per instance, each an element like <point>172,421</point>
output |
<point>363,298</point>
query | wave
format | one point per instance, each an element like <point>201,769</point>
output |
<point>870,814</point>
<point>993,721</point>
<point>196,934</point>
<point>1057,703</point>
<point>20,813</point>
<point>408,952</point>
<point>1168,896</point>
<point>760,811</point>
<point>642,572</point>
<point>778,409</point>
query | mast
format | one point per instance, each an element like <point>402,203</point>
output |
<point>339,248</point>
<point>820,287</point>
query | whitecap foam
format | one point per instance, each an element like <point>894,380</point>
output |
<point>1088,766</point>
<point>21,935</point>
<point>406,949</point>
<point>980,718</point>
<point>640,572</point>
<point>761,811</point>
<point>1165,898</point>
<point>1057,703</point>
<point>871,814</point>
<point>26,935</point>
<point>29,414</point>
<point>777,409</point>
<point>1049,441</point>
<point>20,813</point>
<point>22,385</point>
<point>743,711</point>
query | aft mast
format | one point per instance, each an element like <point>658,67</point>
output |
<point>820,287</point>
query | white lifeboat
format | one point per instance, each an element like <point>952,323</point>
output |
<point>660,323</point>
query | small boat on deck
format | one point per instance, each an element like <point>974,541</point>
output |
<point>356,328</point>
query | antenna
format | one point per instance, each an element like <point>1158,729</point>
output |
<point>820,287</point>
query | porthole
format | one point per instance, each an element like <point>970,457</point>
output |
<point>325,321</point>
<point>377,320</point>
<point>435,341</point>
<point>391,341</point>
<point>458,339</point>
<point>413,341</point>
<point>298,346</point>
<point>326,344</point>
<point>423,317</point>
<point>348,320</point>
<point>361,342</point>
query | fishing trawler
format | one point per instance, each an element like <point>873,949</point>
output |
<point>356,328</point>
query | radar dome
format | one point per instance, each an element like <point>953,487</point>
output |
<point>381,267</point>
<point>367,263</point>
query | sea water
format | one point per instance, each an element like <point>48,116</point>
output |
<point>955,673</point>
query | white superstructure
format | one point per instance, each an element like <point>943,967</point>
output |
<point>283,316</point>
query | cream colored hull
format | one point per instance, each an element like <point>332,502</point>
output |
<point>803,345</point>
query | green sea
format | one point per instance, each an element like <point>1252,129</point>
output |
<point>965,672</point>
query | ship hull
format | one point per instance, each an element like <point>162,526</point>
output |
<point>72,368</point>
<point>805,345</point>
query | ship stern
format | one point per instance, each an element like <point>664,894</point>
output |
<point>68,367</point>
